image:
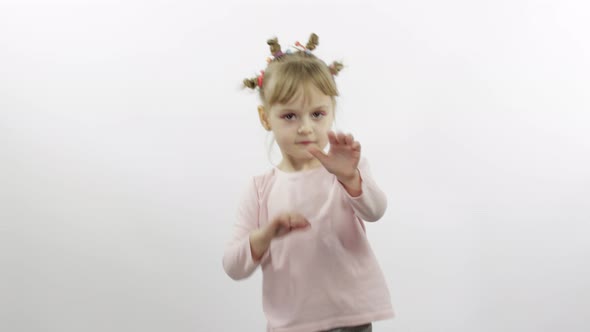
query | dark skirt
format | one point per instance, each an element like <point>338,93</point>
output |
<point>359,328</point>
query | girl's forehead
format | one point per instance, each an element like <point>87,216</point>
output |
<point>308,95</point>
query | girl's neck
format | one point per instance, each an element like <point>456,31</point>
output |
<point>290,167</point>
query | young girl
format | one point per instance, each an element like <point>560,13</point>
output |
<point>303,220</point>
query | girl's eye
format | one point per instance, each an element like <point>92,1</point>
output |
<point>318,115</point>
<point>289,116</point>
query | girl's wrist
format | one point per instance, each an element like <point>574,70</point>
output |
<point>259,243</point>
<point>352,184</point>
<point>350,179</point>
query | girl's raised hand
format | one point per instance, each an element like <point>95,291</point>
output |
<point>343,157</point>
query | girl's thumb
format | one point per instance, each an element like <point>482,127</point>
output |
<point>319,154</point>
<point>299,221</point>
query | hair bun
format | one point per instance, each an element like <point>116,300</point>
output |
<point>335,67</point>
<point>312,42</point>
<point>251,83</point>
<point>275,47</point>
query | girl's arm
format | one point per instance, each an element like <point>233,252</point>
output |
<point>249,243</point>
<point>370,203</point>
<point>238,262</point>
<point>353,185</point>
<point>259,243</point>
<point>353,173</point>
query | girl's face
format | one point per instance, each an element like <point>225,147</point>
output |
<point>303,121</point>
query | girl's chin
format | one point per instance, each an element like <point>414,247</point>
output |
<point>302,156</point>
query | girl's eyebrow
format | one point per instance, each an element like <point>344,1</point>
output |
<point>295,111</point>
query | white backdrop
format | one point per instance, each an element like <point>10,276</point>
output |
<point>125,143</point>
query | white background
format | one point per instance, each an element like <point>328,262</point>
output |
<point>126,142</point>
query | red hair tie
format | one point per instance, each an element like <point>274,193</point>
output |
<point>260,78</point>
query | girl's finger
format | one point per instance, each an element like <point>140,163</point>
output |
<point>341,138</point>
<point>348,140</point>
<point>356,146</point>
<point>289,218</point>
<point>284,220</point>
<point>299,221</point>
<point>332,138</point>
<point>317,153</point>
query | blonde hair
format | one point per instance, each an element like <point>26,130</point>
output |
<point>289,72</point>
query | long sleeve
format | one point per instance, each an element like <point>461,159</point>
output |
<point>372,203</point>
<point>237,259</point>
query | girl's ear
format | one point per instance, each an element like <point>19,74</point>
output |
<point>263,118</point>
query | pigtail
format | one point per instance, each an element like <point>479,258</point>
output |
<point>251,83</point>
<point>255,82</point>
<point>275,47</point>
<point>313,42</point>
<point>335,67</point>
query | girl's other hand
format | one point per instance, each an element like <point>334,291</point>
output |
<point>280,226</point>
<point>287,223</point>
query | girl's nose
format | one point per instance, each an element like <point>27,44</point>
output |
<point>304,130</point>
